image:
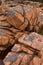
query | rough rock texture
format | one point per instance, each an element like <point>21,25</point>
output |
<point>26,16</point>
<point>28,49</point>
<point>20,43</point>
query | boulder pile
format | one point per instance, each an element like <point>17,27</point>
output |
<point>20,41</point>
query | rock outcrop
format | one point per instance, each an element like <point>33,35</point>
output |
<point>20,41</point>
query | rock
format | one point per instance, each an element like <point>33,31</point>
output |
<point>16,48</point>
<point>19,21</point>
<point>19,48</point>
<point>33,40</point>
<point>19,42</point>
<point>18,61</point>
<point>3,40</point>
<point>13,58</point>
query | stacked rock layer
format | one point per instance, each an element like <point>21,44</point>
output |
<point>20,43</point>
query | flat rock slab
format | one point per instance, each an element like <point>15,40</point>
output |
<point>10,58</point>
<point>5,37</point>
<point>13,58</point>
<point>20,48</point>
<point>33,40</point>
<point>17,58</point>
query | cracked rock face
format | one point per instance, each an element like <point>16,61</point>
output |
<point>28,50</point>
<point>25,17</point>
<point>33,40</point>
<point>20,43</point>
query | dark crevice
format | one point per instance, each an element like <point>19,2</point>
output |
<point>31,48</point>
<point>4,53</point>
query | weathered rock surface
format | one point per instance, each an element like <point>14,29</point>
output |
<point>19,42</point>
<point>29,49</point>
